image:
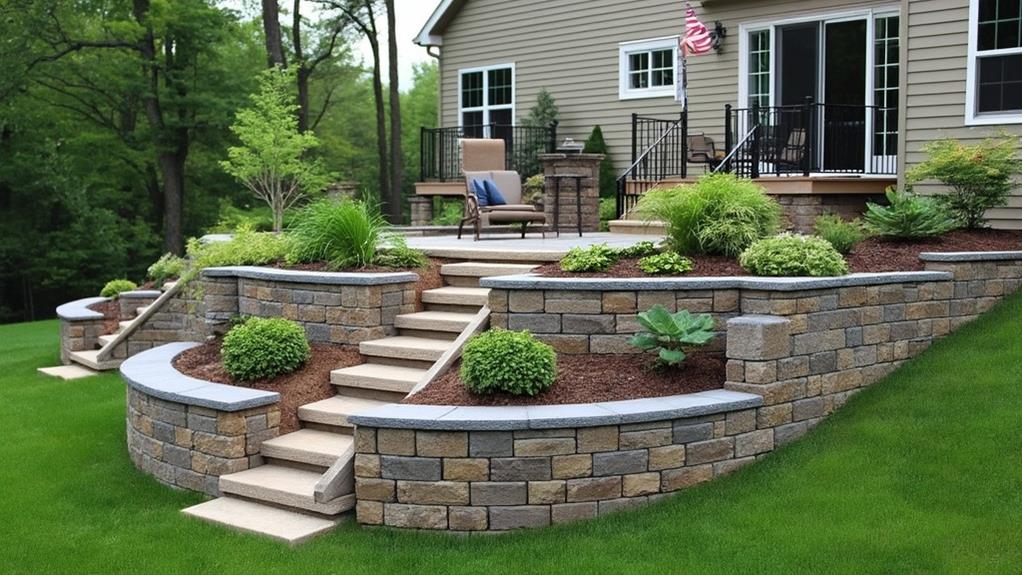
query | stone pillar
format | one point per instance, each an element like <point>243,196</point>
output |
<point>421,210</point>
<point>756,347</point>
<point>586,165</point>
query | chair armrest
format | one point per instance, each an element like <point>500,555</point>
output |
<point>471,205</point>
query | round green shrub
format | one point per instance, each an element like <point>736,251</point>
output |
<point>510,361</point>
<point>262,348</point>
<point>667,263</point>
<point>793,255</point>
<point>114,288</point>
<point>595,258</point>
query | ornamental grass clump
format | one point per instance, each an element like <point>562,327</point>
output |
<point>841,233</point>
<point>719,214</point>
<point>513,362</point>
<point>793,255</point>
<point>346,234</point>
<point>262,348</point>
<point>907,217</point>
<point>670,334</point>
<point>114,288</point>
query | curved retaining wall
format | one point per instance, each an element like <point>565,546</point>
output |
<point>187,432</point>
<point>80,327</point>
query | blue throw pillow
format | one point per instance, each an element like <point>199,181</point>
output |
<point>480,191</point>
<point>495,197</point>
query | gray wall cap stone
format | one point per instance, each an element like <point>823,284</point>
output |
<point>140,294</point>
<point>534,282</point>
<point>79,310</point>
<point>757,319</point>
<point>969,256</point>
<point>152,373</point>
<point>311,277</point>
<point>477,418</point>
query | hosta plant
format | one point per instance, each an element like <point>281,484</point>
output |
<point>669,334</point>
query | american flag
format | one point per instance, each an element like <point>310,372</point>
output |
<point>695,41</point>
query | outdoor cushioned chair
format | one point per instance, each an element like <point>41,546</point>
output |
<point>702,150</point>
<point>483,159</point>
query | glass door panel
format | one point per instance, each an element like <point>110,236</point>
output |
<point>844,93</point>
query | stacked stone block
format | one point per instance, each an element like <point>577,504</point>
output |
<point>800,211</point>
<point>586,165</point>
<point>79,335</point>
<point>190,447</point>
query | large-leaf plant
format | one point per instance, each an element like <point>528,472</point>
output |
<point>668,334</point>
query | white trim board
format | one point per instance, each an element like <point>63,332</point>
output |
<point>972,116</point>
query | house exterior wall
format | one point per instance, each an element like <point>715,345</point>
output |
<point>934,77</point>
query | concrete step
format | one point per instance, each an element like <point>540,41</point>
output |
<point>124,325</point>
<point>484,269</point>
<point>638,227</point>
<point>68,372</point>
<point>250,517</point>
<point>89,359</point>
<point>285,486</point>
<point>308,446</point>
<point>434,321</point>
<point>406,347</point>
<point>140,310</point>
<point>105,340</point>
<point>453,295</point>
<point>335,410</point>
<point>380,377</point>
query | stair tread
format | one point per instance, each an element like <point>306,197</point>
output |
<point>458,290</point>
<point>335,410</point>
<point>446,321</point>
<point>282,485</point>
<point>376,370</point>
<point>251,517</point>
<point>484,269</point>
<point>406,347</point>
<point>308,446</point>
<point>90,358</point>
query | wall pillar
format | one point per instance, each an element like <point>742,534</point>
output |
<point>586,165</point>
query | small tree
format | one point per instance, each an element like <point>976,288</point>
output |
<point>543,112</point>
<point>980,177</point>
<point>595,144</point>
<point>271,160</point>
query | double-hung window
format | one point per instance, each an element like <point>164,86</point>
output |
<point>647,69</point>
<point>994,83</point>
<point>486,97</point>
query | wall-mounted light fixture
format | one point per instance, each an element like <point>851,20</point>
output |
<point>718,34</point>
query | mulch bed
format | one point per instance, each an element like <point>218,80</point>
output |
<point>591,378</point>
<point>308,384</point>
<point>873,255</point>
<point>111,311</point>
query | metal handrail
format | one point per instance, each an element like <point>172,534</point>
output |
<point>728,158</point>
<point>667,132</point>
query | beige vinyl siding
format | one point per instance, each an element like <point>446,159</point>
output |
<point>935,53</point>
<point>571,49</point>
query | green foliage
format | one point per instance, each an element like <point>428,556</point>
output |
<point>114,288</point>
<point>245,248</point>
<point>907,216</point>
<point>399,255</point>
<point>534,189</point>
<point>639,250</point>
<point>418,109</point>
<point>273,160</point>
<point>608,212</point>
<point>166,268</point>
<point>669,334</point>
<point>508,361</point>
<point>980,177</point>
<point>793,255</point>
<point>345,233</point>
<point>595,144</point>
<point>720,214</point>
<point>543,113</point>
<point>841,233</point>
<point>261,348</point>
<point>667,263</point>
<point>448,214</point>
<point>595,258</point>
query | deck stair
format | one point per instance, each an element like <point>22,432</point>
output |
<point>277,499</point>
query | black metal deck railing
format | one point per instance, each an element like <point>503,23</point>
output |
<point>811,138</point>
<point>440,151</point>
<point>659,151</point>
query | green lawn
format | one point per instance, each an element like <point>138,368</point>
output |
<point>920,474</point>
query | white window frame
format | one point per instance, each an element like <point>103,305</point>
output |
<point>972,115</point>
<point>625,49</point>
<point>486,107</point>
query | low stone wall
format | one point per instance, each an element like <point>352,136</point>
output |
<point>186,432</point>
<point>130,301</point>
<point>80,327</point>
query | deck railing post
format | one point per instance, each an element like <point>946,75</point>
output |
<point>728,139</point>
<point>684,143</point>
<point>754,168</point>
<point>807,121</point>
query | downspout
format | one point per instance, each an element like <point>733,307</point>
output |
<point>439,85</point>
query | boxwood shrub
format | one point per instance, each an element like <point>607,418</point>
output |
<point>261,348</point>
<point>114,288</point>
<point>793,255</point>
<point>510,361</point>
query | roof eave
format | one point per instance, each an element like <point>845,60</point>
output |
<point>428,35</point>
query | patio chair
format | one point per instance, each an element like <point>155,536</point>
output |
<point>702,150</point>
<point>787,155</point>
<point>484,160</point>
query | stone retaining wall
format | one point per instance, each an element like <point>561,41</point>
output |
<point>80,327</point>
<point>800,211</point>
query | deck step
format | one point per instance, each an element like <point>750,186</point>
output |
<point>485,269</point>
<point>406,347</point>
<point>90,360</point>
<point>445,321</point>
<point>452,295</point>
<point>379,377</point>
<point>309,446</point>
<point>335,410</point>
<point>250,517</point>
<point>285,486</point>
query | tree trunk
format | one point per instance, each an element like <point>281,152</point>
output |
<point>172,166</point>
<point>396,157</point>
<point>302,77</point>
<point>381,124</point>
<point>274,41</point>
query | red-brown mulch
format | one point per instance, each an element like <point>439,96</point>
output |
<point>111,311</point>
<point>873,255</point>
<point>308,384</point>
<point>591,378</point>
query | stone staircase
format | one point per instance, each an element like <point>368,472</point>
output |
<point>278,498</point>
<point>90,358</point>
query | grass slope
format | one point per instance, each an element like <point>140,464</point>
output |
<point>919,474</point>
